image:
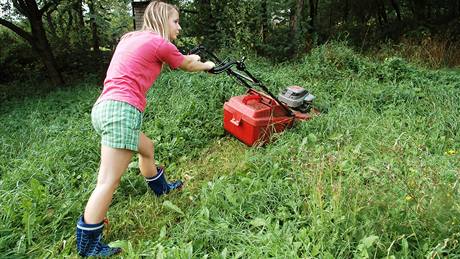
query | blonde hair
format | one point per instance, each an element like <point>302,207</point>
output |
<point>156,18</point>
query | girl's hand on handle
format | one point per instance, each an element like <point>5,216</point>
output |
<point>192,63</point>
<point>210,64</point>
<point>195,57</point>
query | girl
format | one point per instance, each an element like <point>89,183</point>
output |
<point>117,116</point>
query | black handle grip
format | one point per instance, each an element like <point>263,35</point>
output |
<point>222,67</point>
<point>196,50</point>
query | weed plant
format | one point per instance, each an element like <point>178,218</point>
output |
<point>376,176</point>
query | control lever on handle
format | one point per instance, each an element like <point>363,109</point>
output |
<point>240,64</point>
<point>196,50</point>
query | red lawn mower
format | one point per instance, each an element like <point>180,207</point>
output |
<point>255,116</point>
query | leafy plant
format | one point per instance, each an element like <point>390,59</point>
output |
<point>377,176</point>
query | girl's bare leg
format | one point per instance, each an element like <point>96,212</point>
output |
<point>113,164</point>
<point>146,156</point>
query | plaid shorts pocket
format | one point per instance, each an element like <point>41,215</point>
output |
<point>118,123</point>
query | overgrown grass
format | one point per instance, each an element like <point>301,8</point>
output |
<point>376,176</point>
<point>430,51</point>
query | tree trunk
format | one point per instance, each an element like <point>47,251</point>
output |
<point>346,11</point>
<point>296,16</point>
<point>429,9</point>
<point>397,9</point>
<point>207,24</point>
<point>264,22</point>
<point>294,22</point>
<point>418,8</point>
<point>330,18</point>
<point>382,13</point>
<point>44,50</point>
<point>79,24</point>
<point>94,30</point>
<point>78,6</point>
<point>454,8</point>
<point>313,15</point>
<point>37,38</point>
<point>312,30</point>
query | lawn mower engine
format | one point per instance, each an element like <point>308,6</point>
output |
<point>255,116</point>
<point>297,98</point>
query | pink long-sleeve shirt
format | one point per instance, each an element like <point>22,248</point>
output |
<point>135,66</point>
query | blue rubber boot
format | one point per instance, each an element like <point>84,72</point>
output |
<point>89,240</point>
<point>159,185</point>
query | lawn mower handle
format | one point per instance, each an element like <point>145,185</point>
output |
<point>224,66</point>
<point>200,48</point>
<point>221,66</point>
<point>244,77</point>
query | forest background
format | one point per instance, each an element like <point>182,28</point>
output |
<point>60,40</point>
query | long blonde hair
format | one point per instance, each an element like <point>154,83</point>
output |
<point>156,18</point>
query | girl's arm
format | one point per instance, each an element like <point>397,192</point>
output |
<point>192,63</point>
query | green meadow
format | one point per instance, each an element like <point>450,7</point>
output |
<point>376,175</point>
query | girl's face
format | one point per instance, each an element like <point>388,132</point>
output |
<point>174,27</point>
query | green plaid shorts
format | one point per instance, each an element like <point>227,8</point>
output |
<point>118,123</point>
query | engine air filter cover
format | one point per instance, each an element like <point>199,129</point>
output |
<point>295,96</point>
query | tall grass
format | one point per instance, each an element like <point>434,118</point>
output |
<point>376,176</point>
<point>430,51</point>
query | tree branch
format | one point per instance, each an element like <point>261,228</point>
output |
<point>19,31</point>
<point>20,6</point>
<point>32,8</point>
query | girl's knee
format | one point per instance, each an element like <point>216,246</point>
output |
<point>147,152</point>
<point>146,156</point>
<point>109,182</point>
<point>146,146</point>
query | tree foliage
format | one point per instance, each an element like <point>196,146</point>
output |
<point>284,29</point>
<point>33,12</point>
<point>74,36</point>
<point>67,35</point>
